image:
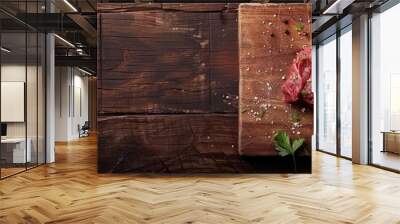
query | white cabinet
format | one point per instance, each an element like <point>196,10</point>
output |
<point>19,155</point>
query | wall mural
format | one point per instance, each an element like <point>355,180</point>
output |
<point>169,76</point>
<point>276,100</point>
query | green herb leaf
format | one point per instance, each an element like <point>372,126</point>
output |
<point>299,27</point>
<point>282,143</point>
<point>297,143</point>
<point>283,153</point>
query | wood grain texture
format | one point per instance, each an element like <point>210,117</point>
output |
<point>154,62</point>
<point>170,72</point>
<point>169,76</point>
<point>224,61</point>
<point>168,143</point>
<point>168,59</point>
<point>185,143</point>
<point>188,7</point>
<point>71,191</point>
<point>268,42</point>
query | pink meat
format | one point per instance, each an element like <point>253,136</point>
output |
<point>292,86</point>
<point>298,84</point>
<point>307,94</point>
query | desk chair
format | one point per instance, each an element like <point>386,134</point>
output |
<point>84,130</point>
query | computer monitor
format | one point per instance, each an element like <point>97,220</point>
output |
<point>3,130</point>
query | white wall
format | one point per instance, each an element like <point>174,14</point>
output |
<point>33,127</point>
<point>16,72</point>
<point>71,102</point>
<point>62,81</point>
<point>80,112</point>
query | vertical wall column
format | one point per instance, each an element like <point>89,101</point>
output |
<point>63,83</point>
<point>50,91</point>
<point>360,90</point>
<point>50,99</point>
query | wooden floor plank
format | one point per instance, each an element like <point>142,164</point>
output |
<point>71,191</point>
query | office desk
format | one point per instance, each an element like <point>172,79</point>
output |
<point>16,148</point>
<point>391,141</point>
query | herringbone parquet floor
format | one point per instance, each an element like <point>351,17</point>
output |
<point>70,191</point>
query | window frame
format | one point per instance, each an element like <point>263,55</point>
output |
<point>339,32</point>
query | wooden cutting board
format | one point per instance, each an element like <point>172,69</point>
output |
<point>270,35</point>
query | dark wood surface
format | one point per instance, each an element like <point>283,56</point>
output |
<point>185,143</point>
<point>168,83</point>
<point>169,59</point>
<point>224,61</point>
<point>168,88</point>
<point>185,7</point>
<point>268,42</point>
<point>167,143</point>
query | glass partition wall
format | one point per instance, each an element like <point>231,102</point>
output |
<point>13,87</point>
<point>334,94</point>
<point>345,92</point>
<point>326,99</point>
<point>385,89</point>
<point>22,87</point>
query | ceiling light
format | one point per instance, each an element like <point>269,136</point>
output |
<point>337,7</point>
<point>80,51</point>
<point>65,41</point>
<point>5,50</point>
<point>84,71</point>
<point>70,5</point>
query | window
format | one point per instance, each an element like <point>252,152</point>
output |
<point>385,89</point>
<point>327,96</point>
<point>345,92</point>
